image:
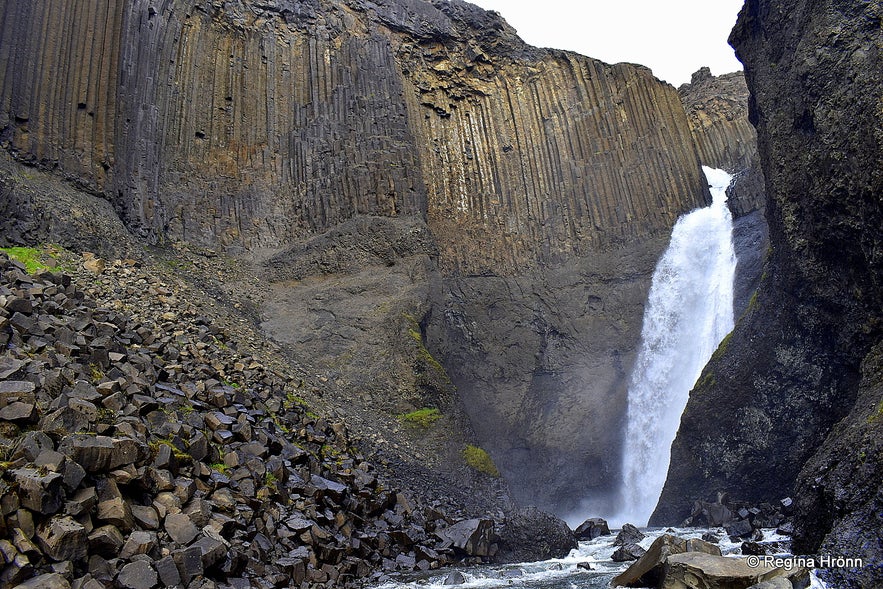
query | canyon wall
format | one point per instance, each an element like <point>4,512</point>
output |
<point>415,187</point>
<point>790,402</point>
<point>252,124</point>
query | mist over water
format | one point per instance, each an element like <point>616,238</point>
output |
<point>689,311</point>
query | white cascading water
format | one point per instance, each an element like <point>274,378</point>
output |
<point>688,313</point>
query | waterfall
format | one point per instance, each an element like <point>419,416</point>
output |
<point>688,313</point>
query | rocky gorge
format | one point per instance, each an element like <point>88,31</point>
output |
<point>395,218</point>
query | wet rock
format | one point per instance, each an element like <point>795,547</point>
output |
<point>711,514</point>
<point>628,535</point>
<point>473,536</point>
<point>649,569</point>
<point>628,552</point>
<point>531,534</point>
<point>455,578</point>
<point>591,529</point>
<point>739,529</point>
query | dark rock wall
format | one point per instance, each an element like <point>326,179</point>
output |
<point>791,369</point>
<point>528,175</point>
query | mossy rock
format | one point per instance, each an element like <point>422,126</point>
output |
<point>422,417</point>
<point>480,460</point>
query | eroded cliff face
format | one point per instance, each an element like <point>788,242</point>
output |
<point>392,169</point>
<point>791,369</point>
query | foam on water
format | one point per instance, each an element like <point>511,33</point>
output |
<point>688,313</point>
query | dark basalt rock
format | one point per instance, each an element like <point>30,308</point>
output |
<point>531,534</point>
<point>628,535</point>
<point>591,529</point>
<point>628,552</point>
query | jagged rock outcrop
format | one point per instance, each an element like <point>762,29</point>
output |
<point>394,168</point>
<point>717,109</point>
<point>791,369</point>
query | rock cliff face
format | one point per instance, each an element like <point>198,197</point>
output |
<point>717,109</point>
<point>410,180</point>
<point>257,123</point>
<point>791,369</point>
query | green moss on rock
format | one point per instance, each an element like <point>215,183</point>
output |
<point>480,460</point>
<point>422,417</point>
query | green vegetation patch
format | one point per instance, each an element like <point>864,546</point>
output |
<point>480,460</point>
<point>34,259</point>
<point>422,417</point>
<point>722,348</point>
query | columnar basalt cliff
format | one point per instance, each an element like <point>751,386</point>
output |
<point>802,358</point>
<point>258,123</point>
<point>414,181</point>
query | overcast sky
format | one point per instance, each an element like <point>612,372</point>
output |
<point>674,38</point>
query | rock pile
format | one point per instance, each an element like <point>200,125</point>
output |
<point>140,454</point>
<point>743,521</point>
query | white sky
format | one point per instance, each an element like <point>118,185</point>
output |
<point>674,38</point>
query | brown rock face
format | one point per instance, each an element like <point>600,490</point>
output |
<point>403,158</point>
<point>255,124</point>
<point>717,109</point>
<point>792,368</point>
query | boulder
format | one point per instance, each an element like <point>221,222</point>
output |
<point>531,534</point>
<point>739,529</point>
<point>101,453</point>
<point>591,529</point>
<point>711,514</point>
<point>628,535</point>
<point>63,538</point>
<point>649,570</point>
<point>698,570</point>
<point>472,536</point>
<point>137,575</point>
<point>628,552</point>
<point>38,491</point>
<point>455,578</point>
<point>180,528</point>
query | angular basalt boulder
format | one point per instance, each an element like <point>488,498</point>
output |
<point>698,570</point>
<point>591,529</point>
<point>531,534</point>
<point>649,570</point>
